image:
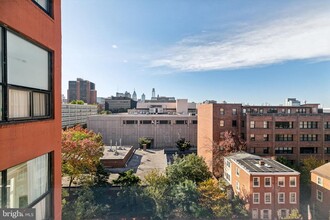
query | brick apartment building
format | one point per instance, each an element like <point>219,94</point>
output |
<point>270,189</point>
<point>294,131</point>
<point>320,193</point>
<point>82,90</point>
<point>30,103</point>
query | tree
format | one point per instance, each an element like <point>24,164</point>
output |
<point>127,178</point>
<point>183,145</point>
<point>229,144</point>
<point>294,215</point>
<point>190,167</point>
<point>77,102</point>
<point>81,152</point>
<point>307,166</point>
<point>144,141</point>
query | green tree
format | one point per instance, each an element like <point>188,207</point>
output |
<point>190,167</point>
<point>126,179</point>
<point>183,145</point>
<point>146,141</point>
<point>307,165</point>
<point>77,102</point>
<point>81,153</point>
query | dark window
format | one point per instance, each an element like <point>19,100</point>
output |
<point>234,111</point>
<point>252,150</point>
<point>284,137</point>
<point>222,111</point>
<point>130,122</point>
<point>327,125</point>
<point>164,122</point>
<point>234,123</point>
<point>272,110</point>
<point>194,122</point>
<point>284,124</point>
<point>301,110</point>
<point>243,124</point>
<point>283,150</point>
<point>327,150</point>
<point>308,137</point>
<point>252,137</point>
<point>27,88</point>
<point>180,122</point>
<point>266,150</point>
<point>243,136</point>
<point>146,122</point>
<point>308,150</point>
<point>327,137</point>
<point>266,137</point>
<point>308,124</point>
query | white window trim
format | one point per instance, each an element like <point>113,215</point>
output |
<point>237,171</point>
<point>258,182</point>
<point>258,198</point>
<point>237,186</point>
<point>256,212</point>
<point>270,198</point>
<point>295,196</point>
<point>321,180</point>
<point>295,181</point>
<point>269,181</point>
<point>278,198</point>
<point>320,200</point>
<point>269,213</point>
<point>278,181</point>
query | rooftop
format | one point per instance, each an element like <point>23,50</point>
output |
<point>323,170</point>
<point>255,164</point>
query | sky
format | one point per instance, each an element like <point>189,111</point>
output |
<point>253,52</point>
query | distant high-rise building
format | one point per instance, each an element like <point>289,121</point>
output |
<point>143,97</point>
<point>134,97</point>
<point>153,95</point>
<point>126,94</point>
<point>82,90</point>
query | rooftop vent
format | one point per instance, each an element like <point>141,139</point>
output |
<point>261,162</point>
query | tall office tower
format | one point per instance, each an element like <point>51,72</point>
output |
<point>143,97</point>
<point>30,120</point>
<point>134,96</point>
<point>153,95</point>
<point>82,90</point>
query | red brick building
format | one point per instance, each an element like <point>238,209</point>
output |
<point>30,103</point>
<point>320,193</point>
<point>292,131</point>
<point>270,189</point>
<point>82,90</point>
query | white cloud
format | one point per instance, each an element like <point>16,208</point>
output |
<point>114,46</point>
<point>306,37</point>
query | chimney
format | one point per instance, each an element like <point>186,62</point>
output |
<point>261,162</point>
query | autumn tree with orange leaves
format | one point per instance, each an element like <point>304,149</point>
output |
<point>230,143</point>
<point>81,153</point>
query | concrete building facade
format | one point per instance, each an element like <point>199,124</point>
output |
<point>119,104</point>
<point>270,189</point>
<point>294,132</point>
<point>73,114</point>
<point>126,129</point>
<point>320,192</point>
<point>30,103</point>
<point>82,90</point>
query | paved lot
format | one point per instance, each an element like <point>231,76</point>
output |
<point>143,162</point>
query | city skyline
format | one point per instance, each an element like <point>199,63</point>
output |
<point>224,51</point>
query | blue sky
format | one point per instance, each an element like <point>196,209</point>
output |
<point>252,52</point>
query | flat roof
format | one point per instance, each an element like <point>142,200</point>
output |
<point>323,170</point>
<point>251,164</point>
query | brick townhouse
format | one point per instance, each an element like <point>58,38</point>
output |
<point>270,189</point>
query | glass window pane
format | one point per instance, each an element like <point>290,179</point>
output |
<point>43,208</point>
<point>19,103</point>
<point>27,63</point>
<point>26,182</point>
<point>40,104</point>
<point>44,4</point>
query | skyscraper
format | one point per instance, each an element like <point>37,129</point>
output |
<point>134,96</point>
<point>82,90</point>
<point>30,103</point>
<point>153,95</point>
<point>143,97</point>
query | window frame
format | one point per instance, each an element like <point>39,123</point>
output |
<point>319,181</point>
<point>254,196</point>
<point>270,181</point>
<point>295,181</point>
<point>258,178</point>
<point>318,192</point>
<point>295,198</point>
<point>5,86</point>
<point>270,198</point>
<point>278,198</point>
<point>49,10</point>
<point>279,179</point>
